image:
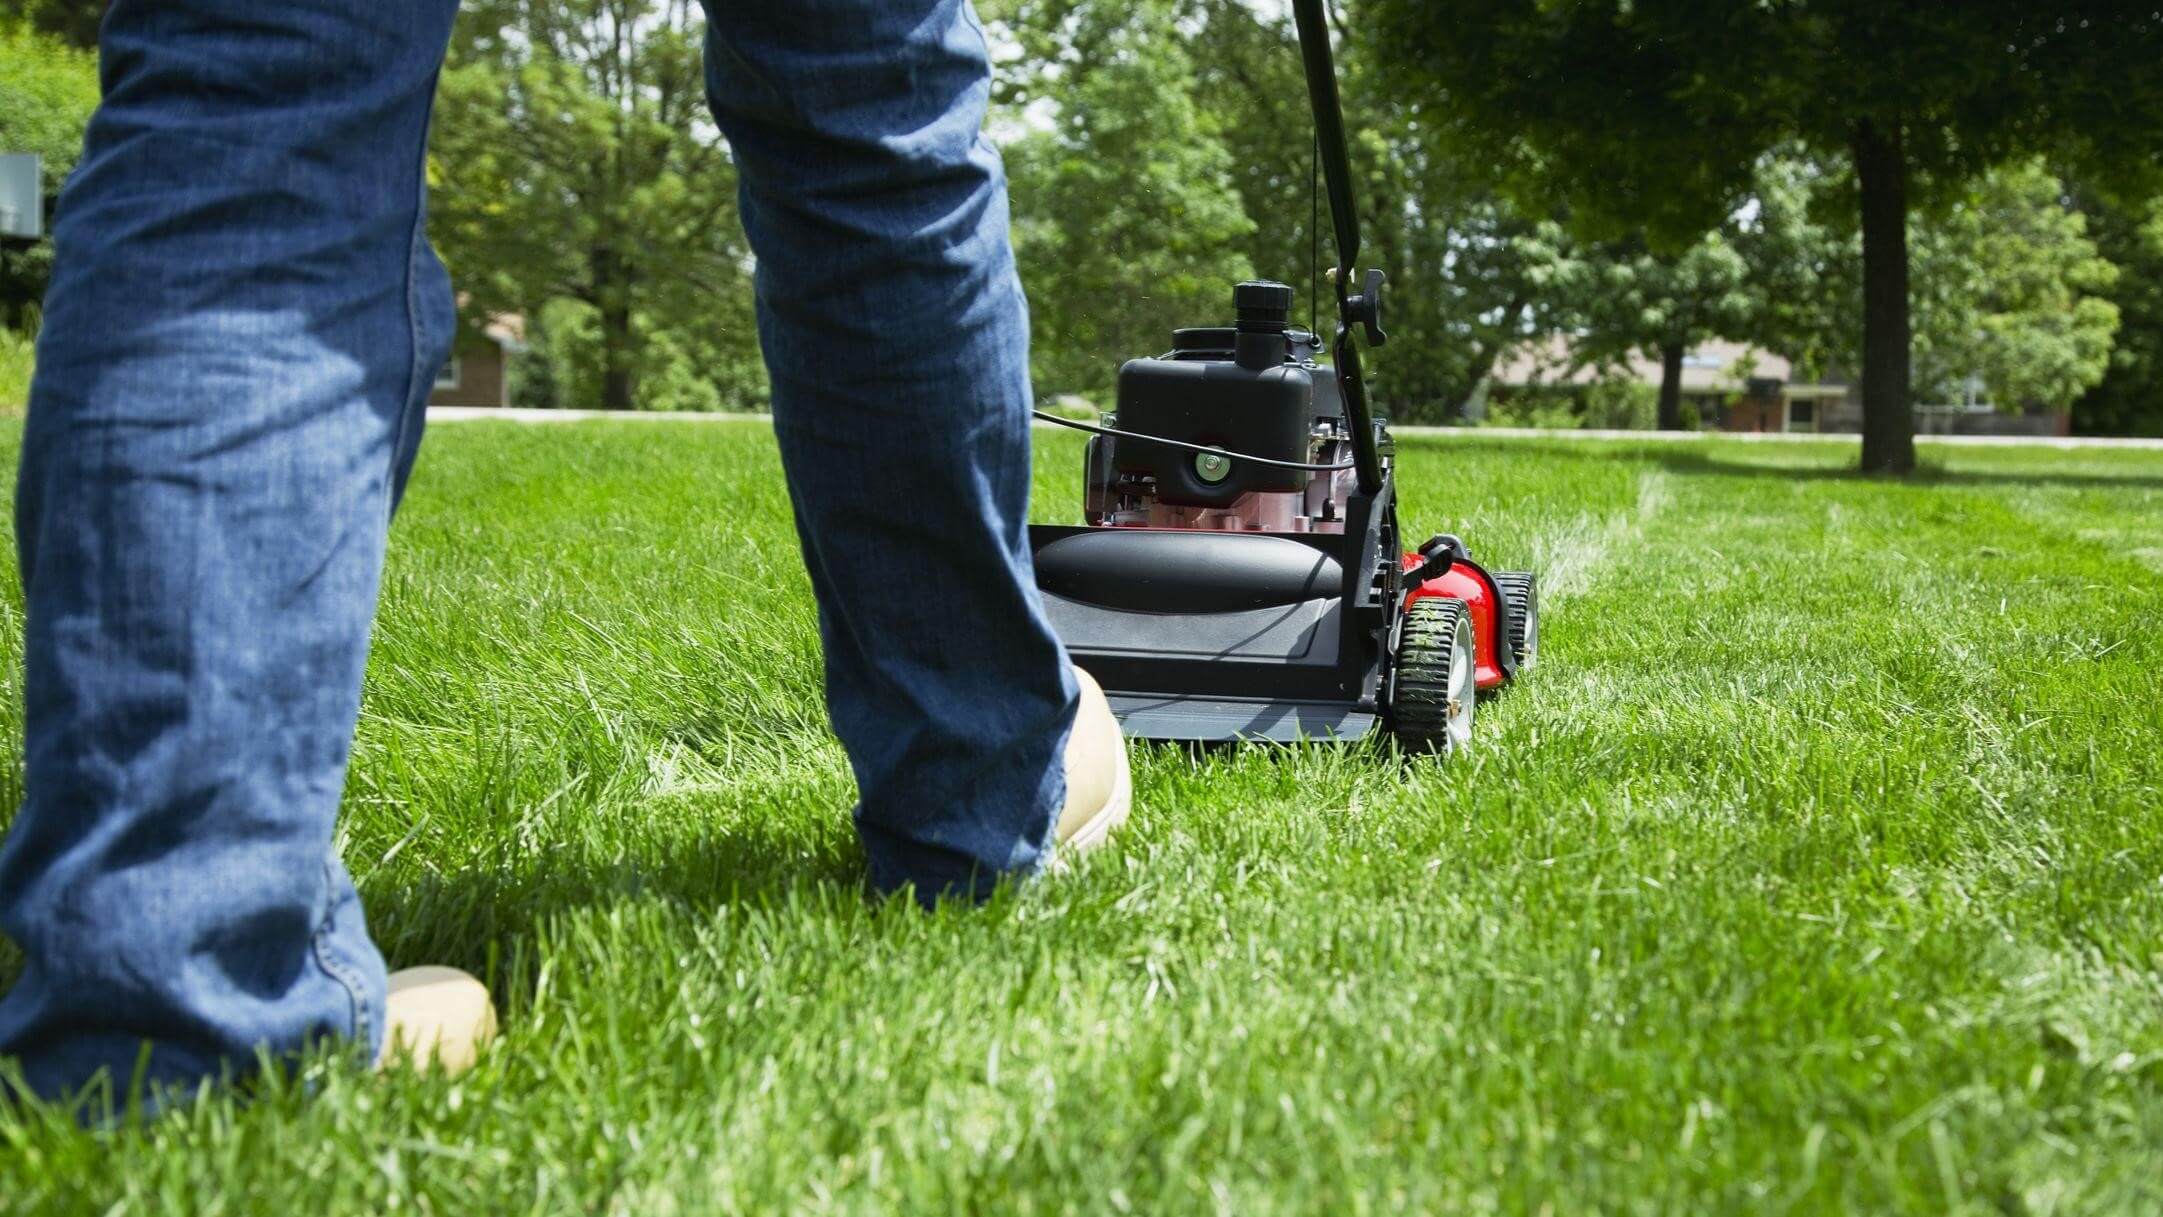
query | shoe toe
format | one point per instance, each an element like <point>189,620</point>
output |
<point>438,1016</point>
<point>1098,784</point>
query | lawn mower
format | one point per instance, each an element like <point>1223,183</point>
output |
<point>1242,572</point>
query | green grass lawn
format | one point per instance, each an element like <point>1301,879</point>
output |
<point>1817,868</point>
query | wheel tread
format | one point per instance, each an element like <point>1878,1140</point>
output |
<point>1521,600</point>
<point>1420,706</point>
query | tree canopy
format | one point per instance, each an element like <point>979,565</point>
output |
<point>1619,298</point>
<point>1627,177</point>
<point>1653,115</point>
<point>1126,223</point>
<point>2012,293</point>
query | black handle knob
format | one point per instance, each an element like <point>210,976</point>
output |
<point>1364,308</point>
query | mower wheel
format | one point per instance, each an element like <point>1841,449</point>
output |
<point>1436,678</point>
<point>1521,595</point>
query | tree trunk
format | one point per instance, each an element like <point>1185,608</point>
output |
<point>1481,364</point>
<point>1881,170</point>
<point>612,297</point>
<point>1670,387</point>
<point>616,357</point>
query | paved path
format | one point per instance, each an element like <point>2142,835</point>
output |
<point>454,414</point>
<point>1965,441</point>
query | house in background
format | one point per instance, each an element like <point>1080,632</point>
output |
<point>1731,385</point>
<point>478,371</point>
<point>1737,387</point>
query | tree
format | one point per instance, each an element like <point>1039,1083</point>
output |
<point>1461,265</point>
<point>2129,399</point>
<point>1620,298</point>
<point>2007,290</point>
<point>1654,113</point>
<point>573,158</point>
<point>1798,237</point>
<point>2011,294</point>
<point>47,92</point>
<point>1126,225</point>
<point>1113,208</point>
<point>1758,277</point>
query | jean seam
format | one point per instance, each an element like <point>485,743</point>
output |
<point>414,338</point>
<point>347,977</point>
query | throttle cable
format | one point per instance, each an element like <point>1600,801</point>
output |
<point>1049,417</point>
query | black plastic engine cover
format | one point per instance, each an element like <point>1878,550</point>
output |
<point>1267,412</point>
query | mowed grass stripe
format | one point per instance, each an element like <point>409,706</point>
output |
<point>1814,870</point>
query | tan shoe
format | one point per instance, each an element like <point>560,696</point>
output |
<point>1099,786</point>
<point>438,1016</point>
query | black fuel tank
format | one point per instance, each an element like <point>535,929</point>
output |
<point>1268,412</point>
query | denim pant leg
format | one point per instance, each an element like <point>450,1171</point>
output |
<point>897,340</point>
<point>241,332</point>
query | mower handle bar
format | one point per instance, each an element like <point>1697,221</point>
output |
<point>1363,307</point>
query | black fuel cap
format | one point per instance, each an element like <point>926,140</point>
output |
<point>1262,304</point>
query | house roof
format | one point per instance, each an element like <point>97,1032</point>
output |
<point>1717,366</point>
<point>508,330</point>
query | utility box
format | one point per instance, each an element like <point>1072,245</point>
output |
<point>22,195</point>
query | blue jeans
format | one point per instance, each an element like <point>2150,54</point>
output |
<point>244,323</point>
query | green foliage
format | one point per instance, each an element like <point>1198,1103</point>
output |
<point>1463,269</point>
<point>1126,225</point>
<point>572,159</point>
<point>1616,404</point>
<point>1624,298</point>
<point>1226,103</point>
<point>1160,151</point>
<point>2006,286</point>
<point>561,367</point>
<point>1539,408</point>
<point>1246,77</point>
<point>2013,293</point>
<point>1800,239</point>
<point>47,90</point>
<point>2129,400</point>
<point>1610,403</point>
<point>1654,115</point>
<point>1619,299</point>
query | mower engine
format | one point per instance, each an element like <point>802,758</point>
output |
<point>1255,388</point>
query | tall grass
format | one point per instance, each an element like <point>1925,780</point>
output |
<point>1813,871</point>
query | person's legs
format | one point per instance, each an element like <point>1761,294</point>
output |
<point>897,340</point>
<point>242,329</point>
